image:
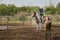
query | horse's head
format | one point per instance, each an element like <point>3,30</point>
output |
<point>34,14</point>
<point>48,20</point>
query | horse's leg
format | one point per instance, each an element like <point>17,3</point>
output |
<point>44,26</point>
<point>48,27</point>
<point>40,25</point>
<point>37,28</point>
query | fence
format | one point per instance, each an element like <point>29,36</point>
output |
<point>30,34</point>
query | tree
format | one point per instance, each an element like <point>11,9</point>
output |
<point>8,10</point>
<point>58,8</point>
<point>58,11</point>
<point>50,10</point>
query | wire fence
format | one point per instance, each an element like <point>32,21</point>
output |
<point>54,34</point>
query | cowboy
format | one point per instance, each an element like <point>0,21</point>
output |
<point>41,17</point>
<point>41,13</point>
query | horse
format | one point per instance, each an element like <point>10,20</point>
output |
<point>48,23</point>
<point>38,21</point>
<point>42,21</point>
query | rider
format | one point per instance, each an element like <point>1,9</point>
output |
<point>41,17</point>
<point>41,14</point>
<point>41,11</point>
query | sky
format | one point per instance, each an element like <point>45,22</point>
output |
<point>40,3</point>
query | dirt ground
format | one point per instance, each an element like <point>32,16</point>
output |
<point>28,32</point>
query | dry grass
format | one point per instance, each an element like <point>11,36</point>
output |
<point>27,33</point>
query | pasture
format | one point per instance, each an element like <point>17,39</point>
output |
<point>28,32</point>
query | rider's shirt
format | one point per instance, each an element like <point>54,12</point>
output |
<point>39,18</point>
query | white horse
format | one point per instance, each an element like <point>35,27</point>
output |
<point>38,21</point>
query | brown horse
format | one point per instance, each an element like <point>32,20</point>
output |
<point>47,23</point>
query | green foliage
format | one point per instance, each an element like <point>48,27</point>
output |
<point>32,9</point>
<point>53,10</point>
<point>7,10</point>
<point>58,8</point>
<point>11,9</point>
<point>22,8</point>
<point>50,10</point>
